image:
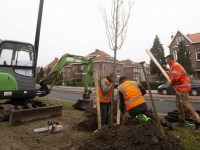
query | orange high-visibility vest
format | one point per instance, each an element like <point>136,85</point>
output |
<point>131,94</point>
<point>105,98</point>
<point>179,77</point>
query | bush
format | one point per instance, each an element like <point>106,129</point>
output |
<point>153,85</point>
<point>72,80</point>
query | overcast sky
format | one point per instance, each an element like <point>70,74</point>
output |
<point>77,27</point>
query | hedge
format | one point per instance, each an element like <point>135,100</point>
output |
<point>153,85</point>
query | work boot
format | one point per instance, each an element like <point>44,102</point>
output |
<point>197,128</point>
<point>181,123</point>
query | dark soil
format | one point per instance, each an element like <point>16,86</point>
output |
<point>77,134</point>
<point>140,135</point>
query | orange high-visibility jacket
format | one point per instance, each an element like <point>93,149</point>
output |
<point>131,94</point>
<point>105,97</point>
<point>179,77</point>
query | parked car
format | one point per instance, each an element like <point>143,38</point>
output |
<point>166,89</point>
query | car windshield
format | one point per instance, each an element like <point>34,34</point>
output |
<point>194,81</point>
<point>167,83</point>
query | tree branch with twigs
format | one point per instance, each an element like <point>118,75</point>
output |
<point>116,29</point>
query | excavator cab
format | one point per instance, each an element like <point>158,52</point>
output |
<point>17,65</point>
<point>18,62</point>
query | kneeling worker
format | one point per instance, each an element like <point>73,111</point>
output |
<point>131,97</point>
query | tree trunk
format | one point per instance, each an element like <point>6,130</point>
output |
<point>114,66</point>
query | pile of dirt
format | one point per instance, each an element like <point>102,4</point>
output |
<point>136,136</point>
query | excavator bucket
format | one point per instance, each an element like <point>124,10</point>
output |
<point>84,103</point>
<point>18,117</point>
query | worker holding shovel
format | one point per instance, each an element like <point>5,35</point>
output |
<point>180,80</point>
<point>131,97</point>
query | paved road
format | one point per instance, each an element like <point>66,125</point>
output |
<point>162,106</point>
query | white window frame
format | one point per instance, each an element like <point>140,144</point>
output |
<point>175,55</point>
<point>197,51</point>
<point>135,69</point>
<point>179,39</point>
<point>104,67</point>
<point>136,77</point>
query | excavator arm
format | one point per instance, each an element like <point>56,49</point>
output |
<point>58,69</point>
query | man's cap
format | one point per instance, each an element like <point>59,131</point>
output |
<point>122,78</point>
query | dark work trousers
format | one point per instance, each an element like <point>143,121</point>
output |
<point>105,112</point>
<point>183,106</point>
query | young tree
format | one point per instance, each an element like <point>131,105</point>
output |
<point>158,52</point>
<point>184,58</point>
<point>116,29</point>
<point>41,73</point>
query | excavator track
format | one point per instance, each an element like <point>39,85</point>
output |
<point>5,110</point>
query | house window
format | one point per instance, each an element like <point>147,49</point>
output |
<point>73,68</point>
<point>197,54</point>
<point>136,78</point>
<point>175,55</point>
<point>100,78</point>
<point>138,70</point>
<point>104,66</point>
<point>179,39</point>
<point>186,51</point>
<point>135,70</point>
<point>68,69</point>
<point>99,66</point>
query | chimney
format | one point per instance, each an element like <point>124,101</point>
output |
<point>56,58</point>
<point>96,50</point>
<point>188,34</point>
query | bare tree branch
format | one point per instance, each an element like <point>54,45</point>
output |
<point>116,29</point>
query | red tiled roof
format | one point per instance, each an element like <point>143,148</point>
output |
<point>53,63</point>
<point>103,56</point>
<point>130,63</point>
<point>194,37</point>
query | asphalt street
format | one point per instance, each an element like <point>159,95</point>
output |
<point>162,106</point>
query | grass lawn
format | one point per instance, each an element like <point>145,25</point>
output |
<point>187,137</point>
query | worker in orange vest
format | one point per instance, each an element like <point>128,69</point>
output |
<point>181,82</point>
<point>131,97</point>
<point>105,94</point>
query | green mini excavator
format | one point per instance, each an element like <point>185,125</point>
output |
<point>18,61</point>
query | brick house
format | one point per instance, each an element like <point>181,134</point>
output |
<point>104,63</point>
<point>192,42</point>
<point>50,66</point>
<point>133,71</point>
